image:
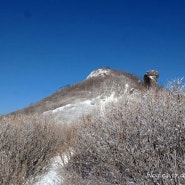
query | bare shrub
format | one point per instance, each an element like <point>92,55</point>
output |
<point>176,86</point>
<point>138,143</point>
<point>27,143</point>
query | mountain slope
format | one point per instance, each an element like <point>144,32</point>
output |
<point>102,86</point>
<point>100,82</point>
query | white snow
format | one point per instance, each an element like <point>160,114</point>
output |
<point>99,72</point>
<point>52,177</point>
<point>70,112</point>
<point>126,88</point>
<point>72,106</point>
<point>152,77</point>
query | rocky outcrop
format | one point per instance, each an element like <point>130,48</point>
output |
<point>151,78</point>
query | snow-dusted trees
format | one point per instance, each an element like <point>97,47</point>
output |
<point>139,142</point>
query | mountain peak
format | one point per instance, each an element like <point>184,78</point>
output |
<point>99,72</point>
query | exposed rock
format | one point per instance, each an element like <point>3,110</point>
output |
<point>151,78</point>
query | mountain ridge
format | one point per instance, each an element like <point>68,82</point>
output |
<point>101,81</point>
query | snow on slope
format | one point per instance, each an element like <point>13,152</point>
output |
<point>52,177</point>
<point>70,112</point>
<point>99,72</point>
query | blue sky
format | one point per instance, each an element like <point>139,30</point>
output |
<point>46,44</point>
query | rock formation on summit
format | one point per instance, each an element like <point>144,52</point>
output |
<point>151,78</point>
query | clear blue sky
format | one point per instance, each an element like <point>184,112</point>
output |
<point>46,44</point>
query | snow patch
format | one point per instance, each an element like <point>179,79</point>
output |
<point>126,88</point>
<point>72,106</point>
<point>71,112</point>
<point>99,72</point>
<point>52,177</point>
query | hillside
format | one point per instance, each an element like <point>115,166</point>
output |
<point>101,86</point>
<point>96,84</point>
<point>122,131</point>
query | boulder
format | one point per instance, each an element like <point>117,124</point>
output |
<point>151,78</point>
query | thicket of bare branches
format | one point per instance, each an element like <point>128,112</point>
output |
<point>27,143</point>
<point>138,140</point>
<point>141,142</point>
